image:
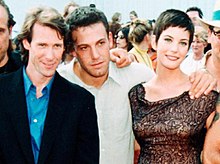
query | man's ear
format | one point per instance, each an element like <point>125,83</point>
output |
<point>26,44</point>
<point>111,40</point>
<point>73,52</point>
<point>153,42</point>
<point>209,35</point>
<point>10,31</point>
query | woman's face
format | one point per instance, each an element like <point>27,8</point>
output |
<point>172,47</point>
<point>121,41</point>
<point>198,46</point>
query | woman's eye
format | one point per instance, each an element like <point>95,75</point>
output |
<point>183,43</point>
<point>168,40</point>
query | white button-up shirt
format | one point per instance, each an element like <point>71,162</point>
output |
<point>113,109</point>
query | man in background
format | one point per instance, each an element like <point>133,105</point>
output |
<point>9,60</point>
<point>194,13</point>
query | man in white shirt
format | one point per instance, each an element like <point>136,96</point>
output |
<point>93,70</point>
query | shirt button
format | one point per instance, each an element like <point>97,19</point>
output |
<point>35,120</point>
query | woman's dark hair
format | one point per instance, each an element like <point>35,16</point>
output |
<point>173,18</point>
<point>125,31</point>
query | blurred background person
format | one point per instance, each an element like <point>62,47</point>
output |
<point>193,61</point>
<point>9,60</point>
<point>140,37</point>
<point>194,13</point>
<point>69,8</point>
<point>122,40</point>
<point>133,15</point>
<point>115,25</point>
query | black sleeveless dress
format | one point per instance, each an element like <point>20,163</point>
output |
<point>170,130</point>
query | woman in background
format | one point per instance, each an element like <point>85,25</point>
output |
<point>194,61</point>
<point>122,39</point>
<point>115,25</point>
<point>140,37</point>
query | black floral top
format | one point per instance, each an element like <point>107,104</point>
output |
<point>170,130</point>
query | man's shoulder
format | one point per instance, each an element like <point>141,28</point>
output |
<point>9,76</point>
<point>69,87</point>
<point>10,80</point>
<point>16,58</point>
<point>134,73</point>
<point>136,69</point>
<point>62,69</point>
<point>67,72</point>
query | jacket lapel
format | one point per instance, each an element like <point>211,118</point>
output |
<point>55,115</point>
<point>18,112</point>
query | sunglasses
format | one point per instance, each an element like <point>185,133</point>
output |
<point>119,36</point>
<point>216,33</point>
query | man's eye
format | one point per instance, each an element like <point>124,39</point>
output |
<point>83,48</point>
<point>42,45</point>
<point>58,46</point>
<point>101,43</point>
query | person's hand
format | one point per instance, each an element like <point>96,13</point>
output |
<point>211,149</point>
<point>202,82</point>
<point>120,57</point>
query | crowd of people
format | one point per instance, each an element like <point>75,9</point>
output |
<point>79,89</point>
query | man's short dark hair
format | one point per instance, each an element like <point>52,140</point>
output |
<point>83,17</point>
<point>195,9</point>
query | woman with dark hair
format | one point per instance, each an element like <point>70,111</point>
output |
<point>122,39</point>
<point>169,126</point>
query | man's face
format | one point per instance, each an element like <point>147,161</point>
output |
<point>193,16</point>
<point>45,51</point>
<point>92,50</point>
<point>4,34</point>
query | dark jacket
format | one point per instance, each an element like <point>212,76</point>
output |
<point>13,64</point>
<point>70,133</point>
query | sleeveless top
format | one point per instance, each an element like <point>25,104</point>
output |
<point>170,130</point>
